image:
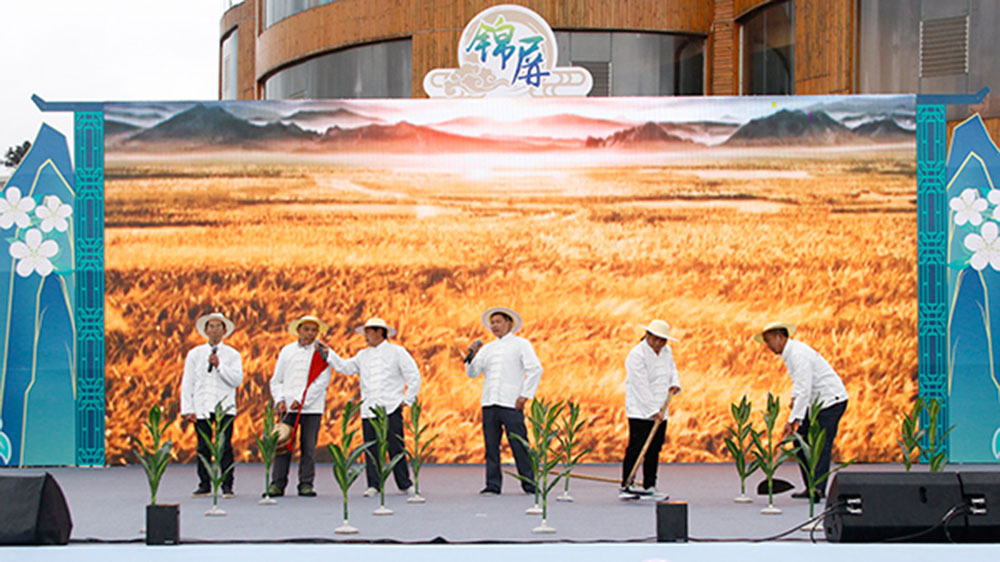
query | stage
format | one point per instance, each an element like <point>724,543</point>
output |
<point>107,506</point>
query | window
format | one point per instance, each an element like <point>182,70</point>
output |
<point>377,70</point>
<point>767,48</point>
<point>277,10</point>
<point>636,64</point>
<point>230,79</point>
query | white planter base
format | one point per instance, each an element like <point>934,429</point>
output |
<point>543,528</point>
<point>346,529</point>
<point>743,498</point>
<point>770,510</point>
<point>814,527</point>
<point>564,497</point>
<point>416,499</point>
<point>268,501</point>
<point>215,512</point>
<point>382,510</point>
<point>533,510</point>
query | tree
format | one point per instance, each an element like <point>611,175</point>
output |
<point>15,154</point>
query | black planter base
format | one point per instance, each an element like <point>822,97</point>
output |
<point>163,524</point>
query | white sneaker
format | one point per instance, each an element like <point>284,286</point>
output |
<point>371,492</point>
<point>411,491</point>
<point>653,494</point>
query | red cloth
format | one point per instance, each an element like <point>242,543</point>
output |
<point>316,366</point>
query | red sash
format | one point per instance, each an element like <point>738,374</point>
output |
<point>316,367</point>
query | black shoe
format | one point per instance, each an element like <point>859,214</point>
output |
<point>228,493</point>
<point>201,492</point>
<point>273,492</point>
<point>804,494</point>
<point>529,491</point>
<point>489,492</point>
<point>307,492</point>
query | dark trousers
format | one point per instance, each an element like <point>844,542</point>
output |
<point>308,433</point>
<point>373,465</point>
<point>205,427</point>
<point>495,420</point>
<point>638,432</point>
<point>828,419</point>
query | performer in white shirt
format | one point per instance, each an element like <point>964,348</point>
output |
<point>511,372</point>
<point>650,374</point>
<point>212,371</point>
<point>289,382</point>
<point>812,378</point>
<point>389,378</point>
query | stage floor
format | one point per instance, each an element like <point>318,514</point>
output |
<point>107,505</point>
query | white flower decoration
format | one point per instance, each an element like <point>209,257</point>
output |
<point>994,197</point>
<point>34,253</point>
<point>53,213</point>
<point>15,209</point>
<point>986,248</point>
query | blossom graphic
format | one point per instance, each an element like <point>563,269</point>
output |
<point>53,213</point>
<point>15,209</point>
<point>34,254</point>
<point>994,197</point>
<point>5,448</point>
<point>986,247</point>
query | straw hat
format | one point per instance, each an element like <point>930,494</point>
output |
<point>294,326</point>
<point>200,324</point>
<point>660,328</point>
<point>759,336</point>
<point>284,433</point>
<point>503,310</point>
<point>377,323</point>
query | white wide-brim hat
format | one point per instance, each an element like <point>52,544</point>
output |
<point>200,324</point>
<point>294,326</point>
<point>504,310</point>
<point>759,336</point>
<point>660,328</point>
<point>377,323</point>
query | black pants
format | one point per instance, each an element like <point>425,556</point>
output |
<point>205,427</point>
<point>308,433</point>
<point>638,432</point>
<point>828,419</point>
<point>373,465</point>
<point>495,420</point>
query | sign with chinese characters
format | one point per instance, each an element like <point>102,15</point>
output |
<point>507,51</point>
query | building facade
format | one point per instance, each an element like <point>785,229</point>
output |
<point>281,49</point>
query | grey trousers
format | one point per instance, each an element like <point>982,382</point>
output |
<point>308,432</point>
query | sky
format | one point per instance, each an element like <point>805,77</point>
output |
<point>97,50</point>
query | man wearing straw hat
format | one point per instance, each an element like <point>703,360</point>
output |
<point>511,372</point>
<point>812,378</point>
<point>650,377</point>
<point>212,371</point>
<point>298,388</point>
<point>389,378</point>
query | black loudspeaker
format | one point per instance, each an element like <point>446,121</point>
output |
<point>33,511</point>
<point>671,521</point>
<point>981,492</point>
<point>894,506</point>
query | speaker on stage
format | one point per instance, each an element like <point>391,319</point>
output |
<point>981,491</point>
<point>33,511</point>
<point>671,521</point>
<point>894,506</point>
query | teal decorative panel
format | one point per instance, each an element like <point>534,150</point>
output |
<point>932,225</point>
<point>89,229</point>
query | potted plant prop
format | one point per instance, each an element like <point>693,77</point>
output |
<point>216,444</point>
<point>771,455</point>
<point>346,468</point>
<point>267,444</point>
<point>935,452</point>
<point>911,434</point>
<point>380,423</point>
<point>543,421</point>
<point>571,425</point>
<point>739,442</point>
<point>537,435</point>
<point>810,448</point>
<point>162,520</point>
<point>418,452</point>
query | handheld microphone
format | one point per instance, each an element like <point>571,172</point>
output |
<point>210,365</point>
<point>473,348</point>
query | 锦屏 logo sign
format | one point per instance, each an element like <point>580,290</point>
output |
<point>507,50</point>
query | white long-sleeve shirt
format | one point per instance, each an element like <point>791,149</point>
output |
<point>510,369</point>
<point>388,376</point>
<point>291,372</point>
<point>201,390</point>
<point>812,377</point>
<point>649,376</point>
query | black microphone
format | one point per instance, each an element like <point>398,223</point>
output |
<point>210,365</point>
<point>473,348</point>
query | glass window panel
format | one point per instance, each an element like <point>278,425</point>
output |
<point>768,50</point>
<point>379,70</point>
<point>277,10</point>
<point>230,79</point>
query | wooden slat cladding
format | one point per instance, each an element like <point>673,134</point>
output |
<point>242,18</point>
<point>944,46</point>
<point>435,25</point>
<point>824,46</point>
<point>724,51</point>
